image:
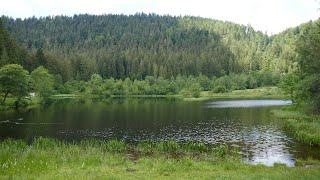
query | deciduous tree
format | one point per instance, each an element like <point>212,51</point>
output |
<point>43,82</point>
<point>14,80</point>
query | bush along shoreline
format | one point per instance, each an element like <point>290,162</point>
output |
<point>17,85</point>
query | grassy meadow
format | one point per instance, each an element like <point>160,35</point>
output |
<point>258,93</point>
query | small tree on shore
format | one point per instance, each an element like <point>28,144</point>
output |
<point>43,82</point>
<point>14,80</point>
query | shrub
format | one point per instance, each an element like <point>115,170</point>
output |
<point>220,89</point>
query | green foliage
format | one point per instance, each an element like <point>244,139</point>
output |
<point>239,81</point>
<point>220,89</point>
<point>195,88</point>
<point>191,90</point>
<point>43,82</point>
<point>158,54</point>
<point>252,82</point>
<point>266,78</point>
<point>59,66</point>
<point>186,86</point>
<point>304,85</point>
<point>308,93</point>
<point>94,86</point>
<point>40,58</point>
<point>10,51</point>
<point>225,82</point>
<point>308,49</point>
<point>204,82</point>
<point>162,47</point>
<point>14,81</point>
<point>143,45</point>
<point>118,88</point>
<point>288,85</point>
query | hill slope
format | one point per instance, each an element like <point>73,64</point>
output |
<point>138,45</point>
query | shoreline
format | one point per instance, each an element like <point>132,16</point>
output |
<point>305,128</point>
<point>258,93</point>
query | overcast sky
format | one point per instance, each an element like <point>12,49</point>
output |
<point>270,16</point>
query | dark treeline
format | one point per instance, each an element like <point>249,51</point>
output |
<point>135,46</point>
<point>10,51</point>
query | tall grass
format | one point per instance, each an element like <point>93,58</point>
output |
<point>114,146</point>
<point>46,153</point>
<point>304,128</point>
<point>48,158</point>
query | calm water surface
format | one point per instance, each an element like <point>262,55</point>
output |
<point>245,124</point>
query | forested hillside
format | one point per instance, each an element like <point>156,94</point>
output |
<point>10,51</point>
<point>138,45</point>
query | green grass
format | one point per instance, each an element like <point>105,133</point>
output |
<point>94,159</point>
<point>263,92</point>
<point>66,95</point>
<point>304,128</point>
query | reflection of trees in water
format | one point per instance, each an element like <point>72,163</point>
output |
<point>134,119</point>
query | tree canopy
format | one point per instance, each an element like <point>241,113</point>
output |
<point>135,46</point>
<point>308,48</point>
<point>14,80</point>
<point>43,82</point>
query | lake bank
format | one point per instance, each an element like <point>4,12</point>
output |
<point>258,93</point>
<point>304,128</point>
<point>52,159</point>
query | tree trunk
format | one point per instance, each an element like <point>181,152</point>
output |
<point>5,97</point>
<point>17,102</point>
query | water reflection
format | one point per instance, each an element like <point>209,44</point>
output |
<point>246,103</point>
<point>267,145</point>
<point>259,137</point>
<point>258,145</point>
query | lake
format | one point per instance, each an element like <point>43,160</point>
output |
<point>244,124</point>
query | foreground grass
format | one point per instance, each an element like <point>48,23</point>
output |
<point>304,128</point>
<point>93,159</point>
<point>259,93</point>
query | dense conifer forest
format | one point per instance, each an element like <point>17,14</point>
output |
<point>135,46</point>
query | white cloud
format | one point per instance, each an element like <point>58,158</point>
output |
<point>265,15</point>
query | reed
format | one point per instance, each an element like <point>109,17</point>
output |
<point>304,128</point>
